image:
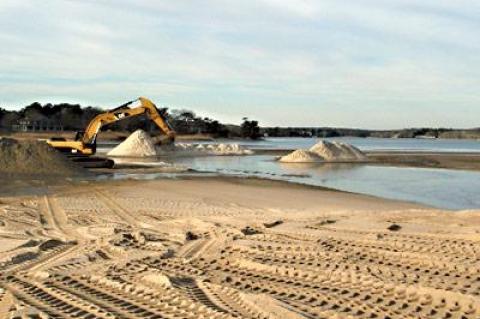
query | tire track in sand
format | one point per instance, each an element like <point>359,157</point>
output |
<point>116,208</point>
<point>58,220</point>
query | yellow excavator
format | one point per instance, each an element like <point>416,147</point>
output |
<point>85,142</point>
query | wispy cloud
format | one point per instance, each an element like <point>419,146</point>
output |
<point>351,63</point>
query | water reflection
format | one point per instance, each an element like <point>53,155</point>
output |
<point>451,189</point>
<point>318,168</point>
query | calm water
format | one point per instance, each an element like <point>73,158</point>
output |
<point>371,144</point>
<point>449,189</point>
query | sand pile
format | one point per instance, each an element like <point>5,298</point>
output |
<point>325,151</point>
<point>212,149</point>
<point>33,158</point>
<point>230,149</point>
<point>301,156</point>
<point>138,144</point>
<point>337,151</point>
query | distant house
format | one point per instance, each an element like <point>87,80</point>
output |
<point>43,125</point>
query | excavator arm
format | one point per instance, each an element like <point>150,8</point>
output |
<point>86,143</point>
<point>141,106</point>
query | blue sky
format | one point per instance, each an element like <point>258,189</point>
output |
<point>362,63</point>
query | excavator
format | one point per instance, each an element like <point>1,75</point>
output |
<point>85,142</point>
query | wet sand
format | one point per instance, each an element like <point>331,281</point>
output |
<point>227,247</point>
<point>464,161</point>
<point>448,160</point>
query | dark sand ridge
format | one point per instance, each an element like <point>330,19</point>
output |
<point>464,161</point>
<point>21,159</point>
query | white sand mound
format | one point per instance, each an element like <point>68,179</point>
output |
<point>230,149</point>
<point>329,151</point>
<point>337,151</point>
<point>301,156</point>
<point>210,149</point>
<point>138,144</point>
<point>358,154</point>
<point>325,151</point>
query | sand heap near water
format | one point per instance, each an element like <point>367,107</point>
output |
<point>337,151</point>
<point>213,149</point>
<point>325,151</point>
<point>301,156</point>
<point>34,158</point>
<point>138,144</point>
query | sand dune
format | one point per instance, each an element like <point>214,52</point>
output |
<point>212,248</point>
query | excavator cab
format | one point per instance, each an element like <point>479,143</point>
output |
<point>79,135</point>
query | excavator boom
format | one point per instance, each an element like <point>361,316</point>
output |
<point>86,143</point>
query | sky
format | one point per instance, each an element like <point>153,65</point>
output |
<point>357,63</point>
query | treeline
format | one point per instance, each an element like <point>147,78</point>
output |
<point>74,117</point>
<point>70,116</point>
<point>324,132</point>
<point>187,122</point>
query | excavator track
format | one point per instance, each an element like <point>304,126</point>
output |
<point>91,161</point>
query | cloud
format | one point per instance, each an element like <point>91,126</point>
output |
<point>319,62</point>
<point>303,8</point>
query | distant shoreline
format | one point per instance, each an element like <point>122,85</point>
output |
<point>453,134</point>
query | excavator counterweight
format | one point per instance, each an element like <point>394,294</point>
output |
<point>85,143</point>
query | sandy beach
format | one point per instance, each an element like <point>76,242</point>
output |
<point>226,247</point>
<point>239,159</point>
